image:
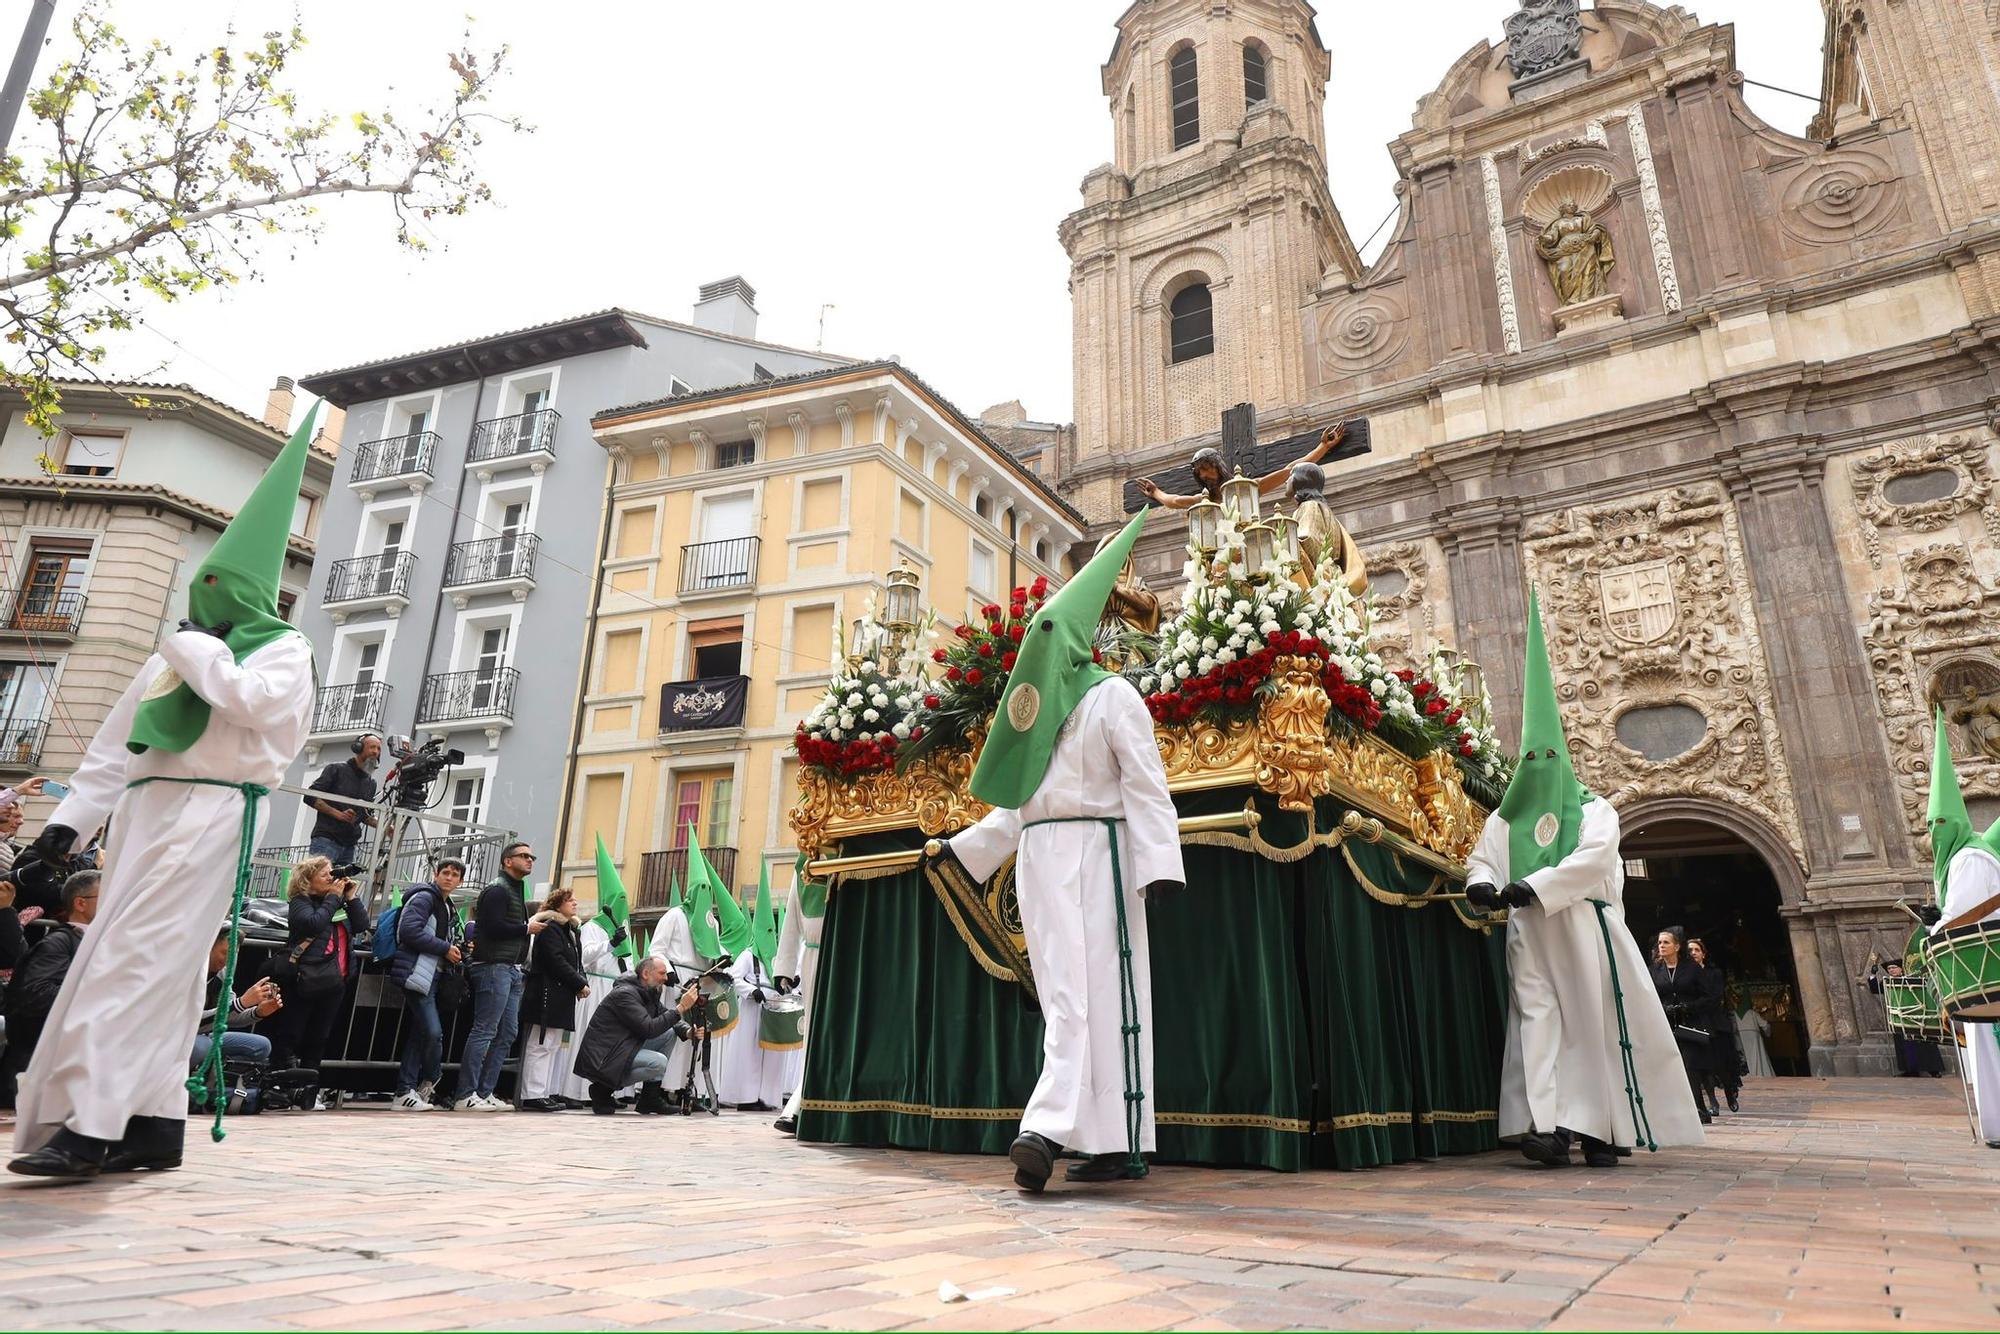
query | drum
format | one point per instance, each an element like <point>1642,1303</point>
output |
<point>719,1005</point>
<point>783,1025</point>
<point>1965,969</point>
<point>1913,1008</point>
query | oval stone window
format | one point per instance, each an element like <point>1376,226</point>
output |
<point>1387,582</point>
<point>1662,731</point>
<point>1917,487</point>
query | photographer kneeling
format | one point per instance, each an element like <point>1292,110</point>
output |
<point>260,1001</point>
<point>631,1031</point>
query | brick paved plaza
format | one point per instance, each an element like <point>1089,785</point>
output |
<point>1829,1204</point>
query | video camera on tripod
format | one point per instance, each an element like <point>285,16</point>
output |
<point>409,784</point>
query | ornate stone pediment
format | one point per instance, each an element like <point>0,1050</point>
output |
<point>1405,604</point>
<point>1647,607</point>
<point>1899,489</point>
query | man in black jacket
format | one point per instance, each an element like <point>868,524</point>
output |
<point>630,1033</point>
<point>34,986</point>
<point>499,944</point>
<point>338,828</point>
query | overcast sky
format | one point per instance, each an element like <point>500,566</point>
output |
<point>905,161</point>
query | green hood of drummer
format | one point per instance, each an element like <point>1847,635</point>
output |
<point>237,582</point>
<point>614,909</point>
<point>1543,807</point>
<point>1053,669</point>
<point>1950,823</point>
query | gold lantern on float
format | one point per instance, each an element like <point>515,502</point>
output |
<point>1239,493</point>
<point>1260,550</point>
<point>1285,531</point>
<point>1205,527</point>
<point>1472,693</point>
<point>901,605</point>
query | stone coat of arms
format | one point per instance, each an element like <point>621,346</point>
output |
<point>1639,605</point>
<point>1542,35</point>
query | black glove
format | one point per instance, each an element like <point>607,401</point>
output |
<point>618,937</point>
<point>928,861</point>
<point>1517,895</point>
<point>1481,895</point>
<point>785,985</point>
<point>196,627</point>
<point>757,994</point>
<point>53,844</point>
<point>1160,891</point>
<point>1930,914</point>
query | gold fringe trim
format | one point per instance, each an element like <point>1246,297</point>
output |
<point>914,1109</point>
<point>780,1046</point>
<point>1228,1121</point>
<point>879,873</point>
<point>1460,1118</point>
<point>962,897</point>
<point>1390,896</point>
<point>1254,842</point>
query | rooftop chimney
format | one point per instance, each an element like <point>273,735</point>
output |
<point>278,407</point>
<point>729,307</point>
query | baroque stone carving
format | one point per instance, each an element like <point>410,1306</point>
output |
<point>1577,251</point>
<point>1963,455</point>
<point>1405,622</point>
<point>1503,265</point>
<point>1842,195</point>
<point>1361,333</point>
<point>1656,213</point>
<point>1543,34</point>
<point>1926,640</point>
<point>1593,136</point>
<point>1648,604</point>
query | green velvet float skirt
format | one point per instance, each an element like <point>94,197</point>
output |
<point>1316,1019</point>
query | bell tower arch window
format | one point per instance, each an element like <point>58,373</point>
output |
<point>1256,82</point>
<point>1184,97</point>
<point>1190,323</point>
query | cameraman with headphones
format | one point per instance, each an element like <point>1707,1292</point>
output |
<point>338,828</point>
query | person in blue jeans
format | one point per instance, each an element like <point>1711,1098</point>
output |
<point>259,1001</point>
<point>424,930</point>
<point>499,947</point>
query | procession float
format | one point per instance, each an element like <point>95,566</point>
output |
<point>1324,997</point>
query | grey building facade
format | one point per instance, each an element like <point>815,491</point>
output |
<point>457,548</point>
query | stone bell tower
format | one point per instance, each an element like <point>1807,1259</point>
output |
<point>1198,246</point>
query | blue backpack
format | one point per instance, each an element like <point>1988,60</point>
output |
<point>385,933</point>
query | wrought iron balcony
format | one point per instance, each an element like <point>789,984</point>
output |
<point>712,567</point>
<point>398,458</point>
<point>44,612</point>
<point>525,438</point>
<point>483,697</point>
<point>659,870</point>
<point>21,741</point>
<point>507,561</point>
<point>382,580</point>
<point>357,708</point>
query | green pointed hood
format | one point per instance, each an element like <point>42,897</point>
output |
<point>676,896</point>
<point>613,908</point>
<point>764,919</point>
<point>737,934</point>
<point>1950,822</point>
<point>1055,665</point>
<point>237,582</point>
<point>1543,807</point>
<point>812,893</point>
<point>700,901</point>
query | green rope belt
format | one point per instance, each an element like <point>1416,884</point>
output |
<point>206,1083</point>
<point>1641,1126</point>
<point>1128,994</point>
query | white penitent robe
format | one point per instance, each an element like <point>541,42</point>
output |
<point>746,1074</point>
<point>117,1040</point>
<point>674,942</point>
<point>1751,1030</point>
<point>1564,1068</point>
<point>797,956</point>
<point>1105,763</point>
<point>1972,878</point>
<point>603,967</point>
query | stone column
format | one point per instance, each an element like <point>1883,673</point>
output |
<point>1482,551</point>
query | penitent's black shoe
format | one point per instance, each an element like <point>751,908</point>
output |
<point>1550,1149</point>
<point>66,1157</point>
<point>1100,1167</point>
<point>1034,1158</point>
<point>787,1125</point>
<point>1596,1153</point>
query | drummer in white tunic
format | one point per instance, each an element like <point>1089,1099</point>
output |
<point>1078,788</point>
<point>1967,873</point>
<point>1580,990</point>
<point>185,755</point>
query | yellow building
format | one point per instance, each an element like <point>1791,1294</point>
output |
<point>742,526</point>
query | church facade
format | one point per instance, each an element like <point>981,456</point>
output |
<point>1726,395</point>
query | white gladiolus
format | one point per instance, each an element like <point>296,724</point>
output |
<point>1205,666</point>
<point>870,716</point>
<point>1378,687</point>
<point>1254,647</point>
<point>1146,684</point>
<point>833,734</point>
<point>1183,671</point>
<point>1209,645</point>
<point>1242,607</point>
<point>1227,655</point>
<point>868,669</point>
<point>854,700</point>
<point>1268,628</point>
<point>902,731</point>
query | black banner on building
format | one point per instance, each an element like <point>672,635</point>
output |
<point>712,701</point>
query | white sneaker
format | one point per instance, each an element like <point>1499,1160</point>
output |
<point>489,1103</point>
<point>413,1101</point>
<point>469,1103</point>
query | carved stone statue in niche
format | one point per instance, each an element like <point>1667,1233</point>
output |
<point>1979,715</point>
<point>1577,251</point>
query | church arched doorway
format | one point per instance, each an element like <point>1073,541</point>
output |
<point>1710,880</point>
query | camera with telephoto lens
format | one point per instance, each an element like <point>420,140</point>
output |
<point>409,784</point>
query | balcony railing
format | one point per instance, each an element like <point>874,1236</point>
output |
<point>499,438</point>
<point>355,708</point>
<point>384,575</point>
<point>396,456</point>
<point>21,742</point>
<point>708,567</point>
<point>657,870</point>
<point>483,695</point>
<point>492,560</point>
<point>38,611</point>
